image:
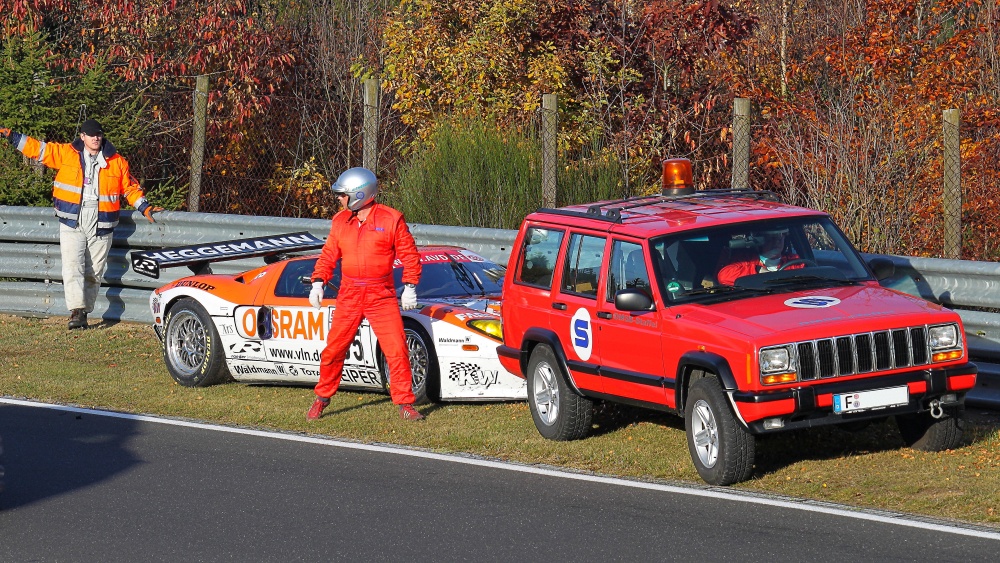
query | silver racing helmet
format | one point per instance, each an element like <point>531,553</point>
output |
<point>359,184</point>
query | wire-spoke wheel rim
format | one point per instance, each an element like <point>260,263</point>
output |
<point>545,394</point>
<point>186,343</point>
<point>706,434</point>
<point>419,359</point>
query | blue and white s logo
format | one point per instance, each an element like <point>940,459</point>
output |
<point>581,334</point>
<point>812,302</point>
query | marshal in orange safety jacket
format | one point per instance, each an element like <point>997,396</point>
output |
<point>114,180</point>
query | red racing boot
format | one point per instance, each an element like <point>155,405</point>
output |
<point>316,410</point>
<point>407,412</point>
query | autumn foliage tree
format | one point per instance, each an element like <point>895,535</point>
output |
<point>853,106</point>
<point>157,49</point>
<point>634,78</point>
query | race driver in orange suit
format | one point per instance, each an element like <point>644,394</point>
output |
<point>367,237</point>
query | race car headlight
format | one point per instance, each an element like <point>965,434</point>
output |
<point>945,342</point>
<point>489,327</point>
<point>777,366</point>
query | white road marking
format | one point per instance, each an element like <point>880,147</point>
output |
<point>714,493</point>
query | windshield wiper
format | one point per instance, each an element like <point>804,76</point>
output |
<point>462,273</point>
<point>722,289</point>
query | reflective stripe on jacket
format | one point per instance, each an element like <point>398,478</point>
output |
<point>114,180</point>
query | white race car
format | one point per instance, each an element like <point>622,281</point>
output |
<point>258,326</point>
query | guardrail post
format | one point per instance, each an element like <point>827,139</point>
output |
<point>550,107</point>
<point>198,140</point>
<point>952,195</point>
<point>741,144</point>
<point>369,155</point>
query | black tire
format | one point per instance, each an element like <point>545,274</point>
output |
<point>559,413</point>
<point>191,346</point>
<point>921,431</point>
<point>423,363</point>
<point>721,448</point>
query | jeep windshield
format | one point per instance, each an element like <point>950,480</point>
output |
<point>745,259</point>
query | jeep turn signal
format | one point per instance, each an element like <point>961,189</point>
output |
<point>780,378</point>
<point>677,177</point>
<point>945,356</point>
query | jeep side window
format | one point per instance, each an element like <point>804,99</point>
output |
<point>538,259</point>
<point>583,264</point>
<point>627,268</point>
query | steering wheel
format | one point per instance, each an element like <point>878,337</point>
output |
<point>802,261</point>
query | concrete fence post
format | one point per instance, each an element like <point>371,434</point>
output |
<point>741,144</point>
<point>550,106</point>
<point>952,194</point>
<point>198,140</point>
<point>369,156</point>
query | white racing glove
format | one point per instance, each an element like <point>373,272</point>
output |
<point>316,294</point>
<point>409,298</point>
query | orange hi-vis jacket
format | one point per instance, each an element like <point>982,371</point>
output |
<point>370,248</point>
<point>114,180</point>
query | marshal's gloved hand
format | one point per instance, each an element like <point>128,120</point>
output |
<point>316,294</point>
<point>148,212</point>
<point>4,132</point>
<point>409,297</point>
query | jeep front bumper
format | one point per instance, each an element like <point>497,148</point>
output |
<point>812,405</point>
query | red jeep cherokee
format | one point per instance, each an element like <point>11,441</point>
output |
<point>742,314</point>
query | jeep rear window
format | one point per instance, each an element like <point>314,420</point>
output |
<point>583,265</point>
<point>538,257</point>
<point>784,255</point>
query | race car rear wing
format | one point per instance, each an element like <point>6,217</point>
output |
<point>197,257</point>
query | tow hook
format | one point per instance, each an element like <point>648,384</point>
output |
<point>936,410</point>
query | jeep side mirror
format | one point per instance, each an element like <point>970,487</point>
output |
<point>882,268</point>
<point>633,299</point>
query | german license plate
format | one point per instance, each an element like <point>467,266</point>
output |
<point>868,400</point>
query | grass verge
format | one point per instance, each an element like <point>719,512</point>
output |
<point>119,367</point>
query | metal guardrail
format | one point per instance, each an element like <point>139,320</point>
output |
<point>29,238</point>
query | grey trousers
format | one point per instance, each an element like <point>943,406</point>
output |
<point>84,259</point>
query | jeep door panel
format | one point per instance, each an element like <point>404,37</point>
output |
<point>630,342</point>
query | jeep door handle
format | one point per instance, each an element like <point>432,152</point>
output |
<point>560,306</point>
<point>603,315</point>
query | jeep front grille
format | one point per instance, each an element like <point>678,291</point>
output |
<point>862,353</point>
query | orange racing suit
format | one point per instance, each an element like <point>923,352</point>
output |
<point>367,251</point>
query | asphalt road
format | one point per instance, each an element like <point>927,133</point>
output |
<point>86,487</point>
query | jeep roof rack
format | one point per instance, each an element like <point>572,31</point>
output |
<point>612,210</point>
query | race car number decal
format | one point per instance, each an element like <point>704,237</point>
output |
<point>581,334</point>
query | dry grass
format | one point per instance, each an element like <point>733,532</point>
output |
<point>119,367</point>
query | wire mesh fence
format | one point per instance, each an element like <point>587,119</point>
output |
<point>283,162</point>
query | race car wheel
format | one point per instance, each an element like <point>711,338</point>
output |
<point>191,347</point>
<point>423,363</point>
<point>558,412</point>
<point>921,431</point>
<point>721,449</point>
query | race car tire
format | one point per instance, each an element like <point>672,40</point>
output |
<point>423,364</point>
<point>558,412</point>
<point>722,450</point>
<point>191,347</point>
<point>923,432</point>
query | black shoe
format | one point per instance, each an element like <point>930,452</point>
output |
<point>77,319</point>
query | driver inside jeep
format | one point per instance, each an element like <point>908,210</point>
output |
<point>765,251</point>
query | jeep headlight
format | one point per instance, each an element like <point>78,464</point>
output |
<point>777,365</point>
<point>945,342</point>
